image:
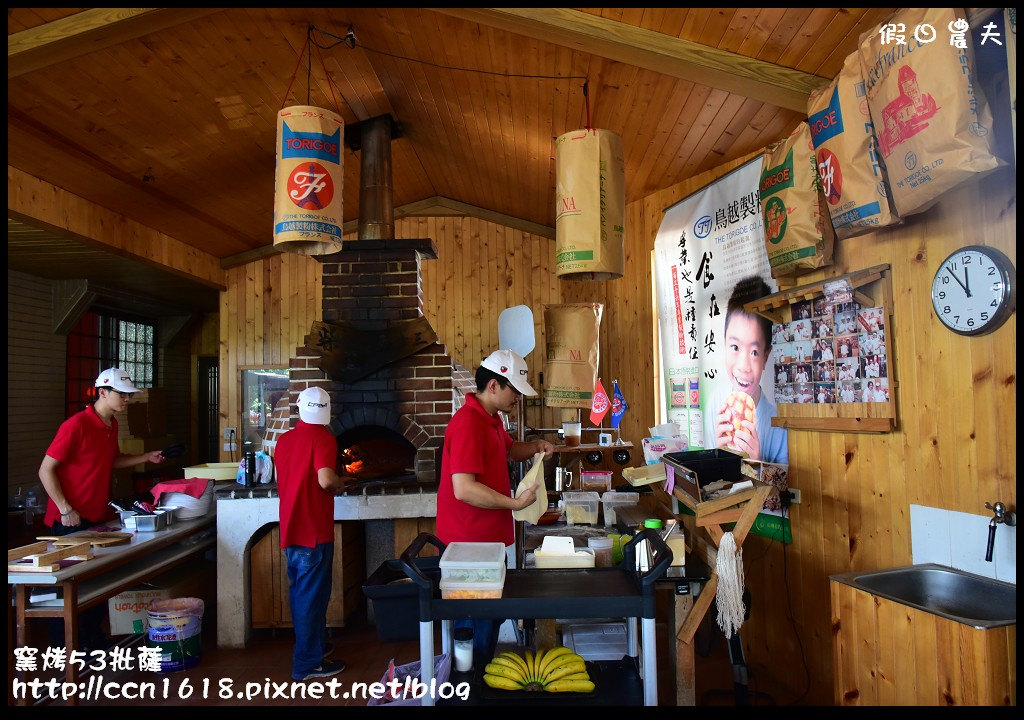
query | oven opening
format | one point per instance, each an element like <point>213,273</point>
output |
<point>372,452</point>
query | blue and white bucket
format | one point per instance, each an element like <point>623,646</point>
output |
<point>175,627</point>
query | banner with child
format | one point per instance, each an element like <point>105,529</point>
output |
<point>710,260</point>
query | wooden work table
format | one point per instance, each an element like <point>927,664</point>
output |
<point>110,571</point>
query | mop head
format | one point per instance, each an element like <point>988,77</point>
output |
<point>729,595</point>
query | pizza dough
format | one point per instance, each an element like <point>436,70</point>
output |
<point>738,407</point>
<point>538,507</point>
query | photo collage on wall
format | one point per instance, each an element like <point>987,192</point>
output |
<point>830,354</point>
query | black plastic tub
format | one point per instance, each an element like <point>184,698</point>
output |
<point>394,598</point>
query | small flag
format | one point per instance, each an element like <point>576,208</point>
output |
<point>600,406</point>
<point>619,405</point>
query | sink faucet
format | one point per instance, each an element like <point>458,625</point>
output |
<point>999,515</point>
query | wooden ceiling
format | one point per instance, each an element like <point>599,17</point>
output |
<point>168,117</point>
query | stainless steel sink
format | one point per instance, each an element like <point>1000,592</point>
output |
<point>944,591</point>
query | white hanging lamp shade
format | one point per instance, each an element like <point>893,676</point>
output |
<point>308,181</point>
<point>590,197</point>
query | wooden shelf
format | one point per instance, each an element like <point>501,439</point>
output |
<point>592,446</point>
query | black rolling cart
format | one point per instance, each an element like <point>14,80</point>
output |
<point>579,593</point>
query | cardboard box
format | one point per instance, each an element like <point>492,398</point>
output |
<point>147,413</point>
<point>197,579</point>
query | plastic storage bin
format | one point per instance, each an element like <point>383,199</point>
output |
<point>613,500</point>
<point>596,480</point>
<point>473,562</point>
<point>581,508</point>
<point>395,599</point>
<point>453,590</point>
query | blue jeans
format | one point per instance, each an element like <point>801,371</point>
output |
<point>309,591</point>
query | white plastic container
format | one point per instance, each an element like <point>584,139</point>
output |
<point>596,480</point>
<point>581,558</point>
<point>473,562</point>
<point>614,500</point>
<point>452,590</point>
<point>581,507</point>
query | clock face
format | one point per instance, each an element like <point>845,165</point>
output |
<point>973,291</point>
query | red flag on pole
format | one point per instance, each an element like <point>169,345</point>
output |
<point>601,404</point>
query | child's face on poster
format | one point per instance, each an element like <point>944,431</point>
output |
<point>745,355</point>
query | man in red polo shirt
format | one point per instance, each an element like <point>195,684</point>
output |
<point>474,499</point>
<point>306,459</point>
<point>77,469</point>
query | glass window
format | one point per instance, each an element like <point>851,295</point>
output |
<point>103,340</point>
<point>261,391</point>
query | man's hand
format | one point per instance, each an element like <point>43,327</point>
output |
<point>156,457</point>
<point>545,447</point>
<point>72,519</point>
<point>527,498</point>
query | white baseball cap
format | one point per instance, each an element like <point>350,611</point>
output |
<point>116,378</point>
<point>315,406</point>
<point>509,365</point>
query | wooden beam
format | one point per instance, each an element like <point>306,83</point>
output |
<point>776,85</point>
<point>37,203</point>
<point>71,298</point>
<point>430,207</point>
<point>88,31</point>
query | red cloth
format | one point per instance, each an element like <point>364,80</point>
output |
<point>307,510</point>
<point>475,443</point>
<point>86,449</point>
<point>189,486</point>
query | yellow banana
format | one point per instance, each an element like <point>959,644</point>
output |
<point>515,658</point>
<point>500,682</point>
<point>551,656</point>
<point>580,686</point>
<point>504,671</point>
<point>538,659</point>
<point>564,670</point>
<point>576,676</point>
<point>563,660</point>
<point>507,662</point>
<point>530,674</point>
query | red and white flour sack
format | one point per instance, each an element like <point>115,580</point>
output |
<point>934,127</point>
<point>853,177</point>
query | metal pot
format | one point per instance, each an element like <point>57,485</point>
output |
<point>563,479</point>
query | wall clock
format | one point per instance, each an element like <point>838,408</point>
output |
<point>974,290</point>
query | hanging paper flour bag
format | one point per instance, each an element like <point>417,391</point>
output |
<point>573,334</point>
<point>797,230</point>
<point>853,178</point>
<point>934,127</point>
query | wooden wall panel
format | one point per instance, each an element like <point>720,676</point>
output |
<point>281,293</point>
<point>35,378</point>
<point>886,653</point>
<point>954,447</point>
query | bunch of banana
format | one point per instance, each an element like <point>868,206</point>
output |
<point>555,670</point>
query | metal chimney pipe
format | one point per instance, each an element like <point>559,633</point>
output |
<point>376,202</point>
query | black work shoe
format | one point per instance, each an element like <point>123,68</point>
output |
<point>324,669</point>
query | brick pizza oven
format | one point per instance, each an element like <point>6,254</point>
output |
<point>390,423</point>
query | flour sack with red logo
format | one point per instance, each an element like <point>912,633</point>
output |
<point>308,180</point>
<point>853,178</point>
<point>798,232</point>
<point>934,127</point>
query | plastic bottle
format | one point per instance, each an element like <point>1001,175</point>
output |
<point>463,649</point>
<point>602,547</point>
<point>676,542</point>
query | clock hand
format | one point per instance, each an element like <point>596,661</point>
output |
<point>958,282</point>
<point>967,282</point>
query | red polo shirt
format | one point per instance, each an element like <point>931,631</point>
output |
<point>86,448</point>
<point>307,510</point>
<point>475,443</point>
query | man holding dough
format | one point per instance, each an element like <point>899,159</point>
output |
<point>474,499</point>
